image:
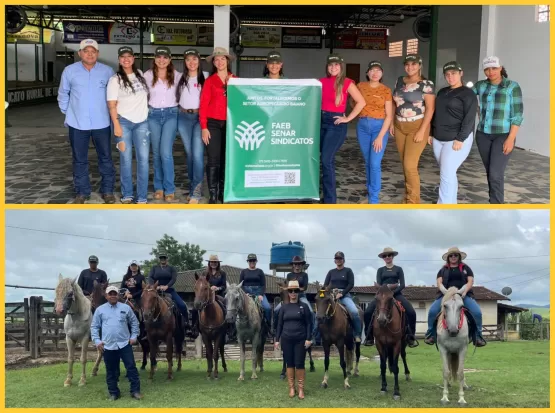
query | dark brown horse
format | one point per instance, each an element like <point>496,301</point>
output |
<point>162,323</point>
<point>389,333</point>
<point>284,295</point>
<point>212,323</point>
<point>335,328</point>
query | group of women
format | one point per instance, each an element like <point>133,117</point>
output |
<point>149,109</point>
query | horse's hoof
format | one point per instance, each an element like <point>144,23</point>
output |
<point>356,374</point>
<point>253,377</point>
<point>444,402</point>
<point>82,383</point>
<point>324,385</point>
<point>396,397</point>
<point>216,378</point>
<point>312,369</point>
<point>408,377</point>
<point>347,387</point>
<point>383,392</point>
<point>241,378</point>
<point>282,376</point>
<point>94,373</point>
<point>67,384</point>
<point>225,369</point>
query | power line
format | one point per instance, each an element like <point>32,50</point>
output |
<point>265,254</point>
<point>532,279</point>
<point>517,275</point>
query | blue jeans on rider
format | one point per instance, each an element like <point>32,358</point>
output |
<point>179,303</point>
<point>349,304</point>
<point>265,303</point>
<point>469,302</point>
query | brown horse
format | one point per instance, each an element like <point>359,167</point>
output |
<point>212,324</point>
<point>389,332</point>
<point>98,298</point>
<point>162,323</point>
<point>335,328</point>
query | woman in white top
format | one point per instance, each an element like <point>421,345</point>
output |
<point>127,96</point>
<point>162,121</point>
<point>188,97</point>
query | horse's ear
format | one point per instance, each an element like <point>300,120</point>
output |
<point>155,285</point>
<point>74,282</point>
<point>60,277</point>
<point>144,285</point>
<point>196,276</point>
<point>241,284</point>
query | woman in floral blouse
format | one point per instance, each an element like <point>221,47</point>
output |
<point>414,103</point>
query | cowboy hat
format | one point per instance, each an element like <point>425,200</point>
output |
<point>213,258</point>
<point>293,285</point>
<point>220,51</point>
<point>453,250</point>
<point>387,251</point>
<point>297,260</point>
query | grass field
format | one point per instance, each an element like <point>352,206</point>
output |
<point>544,312</point>
<point>514,374</point>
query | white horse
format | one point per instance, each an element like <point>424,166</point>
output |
<point>77,324</point>
<point>452,341</point>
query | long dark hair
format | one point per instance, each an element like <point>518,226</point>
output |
<point>170,70</point>
<point>267,71</point>
<point>123,78</point>
<point>130,273</point>
<point>184,81</point>
<point>504,72</point>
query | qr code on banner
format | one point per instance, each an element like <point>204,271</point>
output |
<point>290,178</point>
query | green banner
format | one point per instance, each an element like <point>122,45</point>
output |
<point>273,140</point>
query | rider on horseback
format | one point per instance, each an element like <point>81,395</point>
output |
<point>343,279</point>
<point>217,278</point>
<point>90,275</point>
<point>254,283</point>
<point>391,275</point>
<point>166,275</point>
<point>132,288</point>
<point>455,273</point>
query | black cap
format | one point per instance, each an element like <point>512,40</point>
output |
<point>274,56</point>
<point>163,51</point>
<point>125,49</point>
<point>335,58</point>
<point>162,254</point>
<point>339,254</point>
<point>252,257</point>
<point>191,52</point>
<point>93,258</point>
<point>452,66</point>
<point>374,63</point>
<point>413,58</point>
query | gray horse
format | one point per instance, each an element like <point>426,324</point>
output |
<point>452,341</point>
<point>244,312</point>
<point>77,323</point>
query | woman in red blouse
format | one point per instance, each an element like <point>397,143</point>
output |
<point>212,116</point>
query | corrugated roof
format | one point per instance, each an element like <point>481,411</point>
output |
<point>429,293</point>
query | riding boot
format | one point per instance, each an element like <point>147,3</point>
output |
<point>291,381</point>
<point>300,373</point>
<point>222,178</point>
<point>213,177</point>
<point>369,339</point>
<point>411,339</point>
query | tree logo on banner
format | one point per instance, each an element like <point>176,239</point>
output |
<point>250,135</point>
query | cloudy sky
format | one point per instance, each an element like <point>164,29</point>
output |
<point>504,247</point>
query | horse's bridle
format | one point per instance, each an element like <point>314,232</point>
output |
<point>158,298</point>
<point>205,304</point>
<point>461,320</point>
<point>333,303</point>
<point>389,315</point>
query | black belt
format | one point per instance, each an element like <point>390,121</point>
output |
<point>188,110</point>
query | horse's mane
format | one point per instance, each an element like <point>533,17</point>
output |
<point>451,292</point>
<point>248,309</point>
<point>66,285</point>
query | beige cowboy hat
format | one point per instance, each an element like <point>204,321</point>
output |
<point>220,51</point>
<point>293,285</point>
<point>453,250</point>
<point>386,251</point>
<point>213,258</point>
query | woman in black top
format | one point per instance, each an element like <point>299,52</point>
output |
<point>452,130</point>
<point>394,277</point>
<point>133,282</point>
<point>293,329</point>
<point>218,277</point>
<point>254,283</point>
<point>455,273</point>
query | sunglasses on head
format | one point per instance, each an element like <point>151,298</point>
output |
<point>295,291</point>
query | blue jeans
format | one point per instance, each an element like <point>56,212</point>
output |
<point>111,360</point>
<point>163,128</point>
<point>134,135</point>
<point>469,302</point>
<point>79,140</point>
<point>189,129</point>
<point>349,304</point>
<point>265,303</point>
<point>331,138</point>
<point>368,130</point>
<point>179,303</point>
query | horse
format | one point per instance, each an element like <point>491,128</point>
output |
<point>247,316</point>
<point>212,324</point>
<point>97,298</point>
<point>390,335</point>
<point>452,342</point>
<point>335,328</point>
<point>284,295</point>
<point>77,323</point>
<point>162,323</point>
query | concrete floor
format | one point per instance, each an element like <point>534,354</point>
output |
<point>38,168</point>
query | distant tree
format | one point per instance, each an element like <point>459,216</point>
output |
<point>183,257</point>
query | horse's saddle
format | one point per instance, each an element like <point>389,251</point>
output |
<point>472,327</point>
<point>221,301</point>
<point>399,306</point>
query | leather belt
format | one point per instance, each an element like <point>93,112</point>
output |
<point>188,110</point>
<point>411,119</point>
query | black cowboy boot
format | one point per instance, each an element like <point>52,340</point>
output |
<point>411,339</point>
<point>213,177</point>
<point>480,342</point>
<point>369,339</point>
<point>221,184</point>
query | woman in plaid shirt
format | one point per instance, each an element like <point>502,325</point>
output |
<point>500,111</point>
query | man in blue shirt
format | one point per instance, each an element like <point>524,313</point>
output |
<point>114,319</point>
<point>82,98</point>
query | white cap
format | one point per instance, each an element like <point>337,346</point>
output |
<point>112,288</point>
<point>87,43</point>
<point>491,61</point>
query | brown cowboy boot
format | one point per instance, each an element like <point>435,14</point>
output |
<point>291,381</point>
<point>300,373</point>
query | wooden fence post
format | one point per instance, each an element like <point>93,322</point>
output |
<point>39,325</point>
<point>26,326</point>
<point>541,330</point>
<point>33,330</point>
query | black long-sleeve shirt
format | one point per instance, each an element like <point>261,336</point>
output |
<point>394,275</point>
<point>87,278</point>
<point>343,279</point>
<point>220,282</point>
<point>253,278</point>
<point>301,277</point>
<point>294,322</point>
<point>134,284</point>
<point>455,114</point>
<point>164,276</point>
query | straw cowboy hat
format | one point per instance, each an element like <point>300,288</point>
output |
<point>220,51</point>
<point>297,260</point>
<point>387,251</point>
<point>454,250</point>
<point>213,258</point>
<point>293,285</point>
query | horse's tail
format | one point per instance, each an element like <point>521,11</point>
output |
<point>454,365</point>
